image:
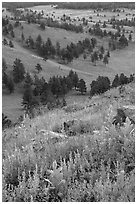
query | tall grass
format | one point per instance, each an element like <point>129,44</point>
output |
<point>96,164</point>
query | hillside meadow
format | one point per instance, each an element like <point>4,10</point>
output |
<point>68,144</point>
<point>44,163</point>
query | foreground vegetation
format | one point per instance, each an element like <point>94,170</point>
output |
<point>62,151</point>
<point>73,154</point>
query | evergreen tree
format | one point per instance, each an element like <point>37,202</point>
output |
<point>93,42</point>
<point>5,30</point>
<point>123,41</point>
<point>64,86</point>
<point>102,49</point>
<point>105,60</point>
<point>108,53</point>
<point>45,93</point>
<point>38,68</point>
<point>123,79</point>
<point>104,25</point>
<point>75,80</point>
<point>58,49</point>
<point>69,83</point>
<point>11,44</point>
<point>99,86</point>
<point>28,81</point>
<point>30,42</point>
<point>131,78</point>
<point>53,51</point>
<point>116,81</point>
<point>100,56</point>
<point>82,86</point>
<point>22,37</point>
<point>29,101</point>
<point>5,41</point>
<point>18,71</point>
<point>130,37</point>
<point>38,41</point>
<point>48,46</point>
<point>55,86</point>
<point>42,25</point>
<point>39,84</point>
<point>95,57</point>
<point>64,103</point>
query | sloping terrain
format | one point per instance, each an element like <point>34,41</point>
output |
<point>72,150</point>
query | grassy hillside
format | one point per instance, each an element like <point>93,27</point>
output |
<point>118,63</point>
<point>55,34</point>
<point>93,157</point>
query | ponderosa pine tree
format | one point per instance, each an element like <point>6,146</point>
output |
<point>38,68</point>
<point>130,37</point>
<point>123,79</point>
<point>75,80</point>
<point>100,56</point>
<point>38,42</point>
<point>42,26</point>
<point>29,100</point>
<point>58,49</point>
<point>116,81</point>
<point>11,44</point>
<point>93,42</point>
<point>108,53</point>
<point>82,86</point>
<point>102,50</point>
<point>95,57</point>
<point>18,71</point>
<point>28,81</point>
<point>22,37</point>
<point>5,42</point>
<point>105,60</point>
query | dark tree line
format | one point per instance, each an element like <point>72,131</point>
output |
<point>66,55</point>
<point>118,37</point>
<point>10,43</point>
<point>118,42</point>
<point>102,84</point>
<point>122,22</point>
<point>7,81</point>
<point>63,25</point>
<point>38,92</point>
<point>122,79</point>
<point>18,74</point>
<point>7,28</point>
